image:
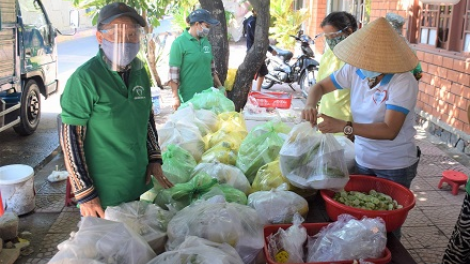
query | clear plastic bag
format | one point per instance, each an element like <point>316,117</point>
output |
<point>349,152</point>
<point>206,121</point>
<point>231,223</point>
<point>103,241</point>
<point>211,99</point>
<point>177,166</point>
<point>287,246</point>
<point>261,146</point>
<point>183,134</point>
<point>230,194</point>
<point>200,251</point>
<point>225,174</point>
<point>145,219</point>
<point>348,239</point>
<point>232,137</point>
<point>224,152</point>
<point>269,177</point>
<point>277,206</point>
<point>312,160</point>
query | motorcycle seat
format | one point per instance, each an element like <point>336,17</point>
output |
<point>287,55</point>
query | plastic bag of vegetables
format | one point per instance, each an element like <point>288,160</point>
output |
<point>229,194</point>
<point>211,99</point>
<point>224,152</point>
<point>232,137</point>
<point>349,152</point>
<point>261,146</point>
<point>269,177</point>
<point>200,251</point>
<point>278,207</point>
<point>231,223</point>
<point>225,174</point>
<point>287,246</point>
<point>183,134</point>
<point>177,166</point>
<point>147,220</point>
<point>204,120</point>
<point>103,241</point>
<point>312,160</point>
<point>183,194</point>
<point>232,121</point>
<point>339,240</point>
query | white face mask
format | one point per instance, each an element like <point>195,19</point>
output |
<point>204,32</point>
<point>370,74</point>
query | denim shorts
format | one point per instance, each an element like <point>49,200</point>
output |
<point>402,176</point>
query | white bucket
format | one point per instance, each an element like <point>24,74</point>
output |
<point>17,187</point>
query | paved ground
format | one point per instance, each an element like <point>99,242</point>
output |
<point>425,233</point>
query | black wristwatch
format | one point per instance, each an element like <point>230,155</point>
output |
<point>348,129</point>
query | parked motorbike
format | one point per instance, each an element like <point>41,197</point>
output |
<point>301,70</point>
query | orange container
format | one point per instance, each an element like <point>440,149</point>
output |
<point>393,218</point>
<point>271,99</point>
<point>313,229</point>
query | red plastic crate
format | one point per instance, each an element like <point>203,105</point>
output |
<point>313,229</point>
<point>271,99</point>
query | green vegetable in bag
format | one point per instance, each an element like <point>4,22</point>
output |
<point>230,194</point>
<point>177,166</point>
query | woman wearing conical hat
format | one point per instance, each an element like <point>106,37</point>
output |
<point>383,98</point>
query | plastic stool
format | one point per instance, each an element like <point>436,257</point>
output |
<point>454,179</point>
<point>69,196</point>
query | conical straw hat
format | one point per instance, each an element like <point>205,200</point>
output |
<point>377,47</point>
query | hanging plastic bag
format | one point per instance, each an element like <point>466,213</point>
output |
<point>231,223</point>
<point>103,241</point>
<point>177,166</point>
<point>277,206</point>
<point>183,194</point>
<point>269,177</point>
<point>349,152</point>
<point>224,152</point>
<point>225,174</point>
<point>313,160</point>
<point>211,99</point>
<point>183,134</point>
<point>287,246</point>
<point>261,146</point>
<point>339,240</point>
<point>199,250</point>
<point>145,219</point>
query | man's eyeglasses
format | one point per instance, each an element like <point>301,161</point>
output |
<point>123,33</point>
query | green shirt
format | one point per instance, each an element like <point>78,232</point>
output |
<point>116,118</point>
<point>193,57</point>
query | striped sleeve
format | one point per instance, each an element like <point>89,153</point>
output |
<point>72,141</point>
<point>154,152</point>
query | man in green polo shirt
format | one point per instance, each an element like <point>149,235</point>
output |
<point>108,135</point>
<point>192,67</point>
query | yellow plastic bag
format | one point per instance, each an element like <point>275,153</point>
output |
<point>269,177</point>
<point>222,152</point>
<point>232,121</point>
<point>232,137</point>
<point>229,82</point>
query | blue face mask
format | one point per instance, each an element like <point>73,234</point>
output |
<point>120,54</point>
<point>370,74</point>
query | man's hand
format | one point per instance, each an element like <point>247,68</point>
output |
<point>92,208</point>
<point>176,103</point>
<point>155,169</point>
<point>331,124</point>
<point>310,114</point>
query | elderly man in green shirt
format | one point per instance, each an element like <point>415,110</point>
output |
<point>108,135</point>
<point>192,67</point>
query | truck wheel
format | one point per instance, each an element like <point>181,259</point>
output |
<point>30,110</point>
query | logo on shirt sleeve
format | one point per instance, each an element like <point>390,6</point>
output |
<point>138,93</point>
<point>380,96</point>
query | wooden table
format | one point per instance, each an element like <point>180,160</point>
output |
<point>317,214</point>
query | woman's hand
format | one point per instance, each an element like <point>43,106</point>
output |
<point>331,124</point>
<point>155,169</point>
<point>310,114</point>
<point>92,208</point>
<point>176,103</point>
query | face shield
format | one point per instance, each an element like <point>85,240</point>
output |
<point>120,44</point>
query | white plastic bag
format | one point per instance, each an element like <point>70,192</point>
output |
<point>312,160</point>
<point>278,206</point>
<point>147,220</point>
<point>206,121</point>
<point>103,241</point>
<point>231,223</point>
<point>201,251</point>
<point>291,241</point>
<point>348,239</point>
<point>184,134</point>
<point>226,174</point>
<point>349,152</point>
